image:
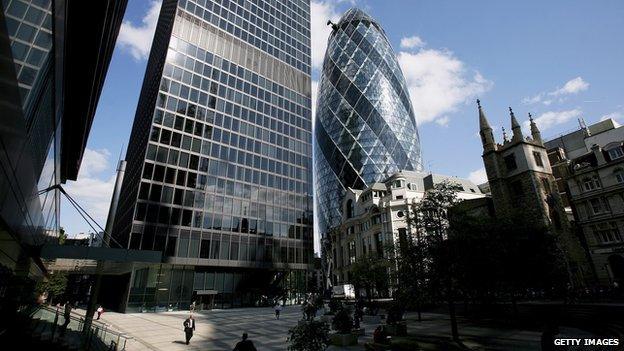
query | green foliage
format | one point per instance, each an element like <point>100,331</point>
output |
<point>371,273</point>
<point>342,322</point>
<point>334,305</point>
<point>454,254</point>
<point>309,336</point>
<point>62,236</point>
<point>55,285</point>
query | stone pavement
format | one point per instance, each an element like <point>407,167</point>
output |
<point>215,330</point>
<point>221,329</point>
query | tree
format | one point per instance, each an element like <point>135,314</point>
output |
<point>309,336</point>
<point>343,322</point>
<point>370,273</point>
<point>430,218</point>
<point>62,236</point>
<point>55,285</point>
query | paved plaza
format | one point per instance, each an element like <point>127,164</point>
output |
<point>215,330</point>
<point>221,329</point>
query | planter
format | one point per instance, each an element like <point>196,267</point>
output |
<point>371,319</point>
<point>399,329</point>
<point>343,339</point>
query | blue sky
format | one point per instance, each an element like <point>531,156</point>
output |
<point>559,60</point>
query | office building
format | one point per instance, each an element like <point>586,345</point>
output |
<point>219,173</point>
<point>365,128</point>
<point>53,61</point>
<point>375,218</point>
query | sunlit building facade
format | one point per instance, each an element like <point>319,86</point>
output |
<point>365,128</point>
<point>219,161</point>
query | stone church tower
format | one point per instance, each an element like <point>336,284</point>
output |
<point>518,170</point>
<point>522,184</point>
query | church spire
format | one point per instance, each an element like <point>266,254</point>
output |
<point>535,132</point>
<point>515,127</point>
<point>487,136</point>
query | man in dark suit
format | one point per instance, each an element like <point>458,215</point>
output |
<point>189,327</point>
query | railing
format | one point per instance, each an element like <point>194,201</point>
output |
<point>99,337</point>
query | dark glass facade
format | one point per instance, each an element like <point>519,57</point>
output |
<point>46,112</point>
<point>219,162</point>
<point>365,128</point>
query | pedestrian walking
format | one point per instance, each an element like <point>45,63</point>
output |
<point>245,344</point>
<point>278,309</point>
<point>67,316</point>
<point>189,327</point>
<point>100,310</point>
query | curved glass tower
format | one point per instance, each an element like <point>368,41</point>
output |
<point>365,128</point>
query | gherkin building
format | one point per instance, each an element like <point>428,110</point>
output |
<point>365,128</point>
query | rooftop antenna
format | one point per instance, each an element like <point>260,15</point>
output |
<point>583,126</point>
<point>120,152</point>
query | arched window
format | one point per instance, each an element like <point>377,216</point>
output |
<point>350,208</point>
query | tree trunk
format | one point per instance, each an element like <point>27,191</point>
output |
<point>454,331</point>
<point>419,308</point>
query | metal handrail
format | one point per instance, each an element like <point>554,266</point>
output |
<point>109,339</point>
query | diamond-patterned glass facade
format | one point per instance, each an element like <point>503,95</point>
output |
<point>365,128</point>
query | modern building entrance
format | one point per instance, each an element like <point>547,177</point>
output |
<point>204,299</point>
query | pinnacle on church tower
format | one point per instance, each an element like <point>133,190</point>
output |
<point>515,127</point>
<point>535,132</point>
<point>487,136</point>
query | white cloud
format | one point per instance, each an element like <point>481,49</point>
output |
<point>571,87</point>
<point>478,176</point>
<point>442,121</point>
<point>137,38</point>
<point>553,118</point>
<point>320,13</point>
<point>94,187</point>
<point>94,162</point>
<point>438,83</point>
<point>412,42</point>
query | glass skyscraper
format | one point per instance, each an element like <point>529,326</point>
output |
<point>365,128</point>
<point>219,171</point>
<point>53,61</point>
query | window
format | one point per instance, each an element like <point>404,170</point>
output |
<point>400,214</point>
<point>352,254</point>
<point>616,153</point>
<point>597,206</point>
<point>538,159</point>
<point>510,162</point>
<point>591,183</point>
<point>350,208</point>
<point>607,233</point>
<point>397,184</point>
<point>619,175</point>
